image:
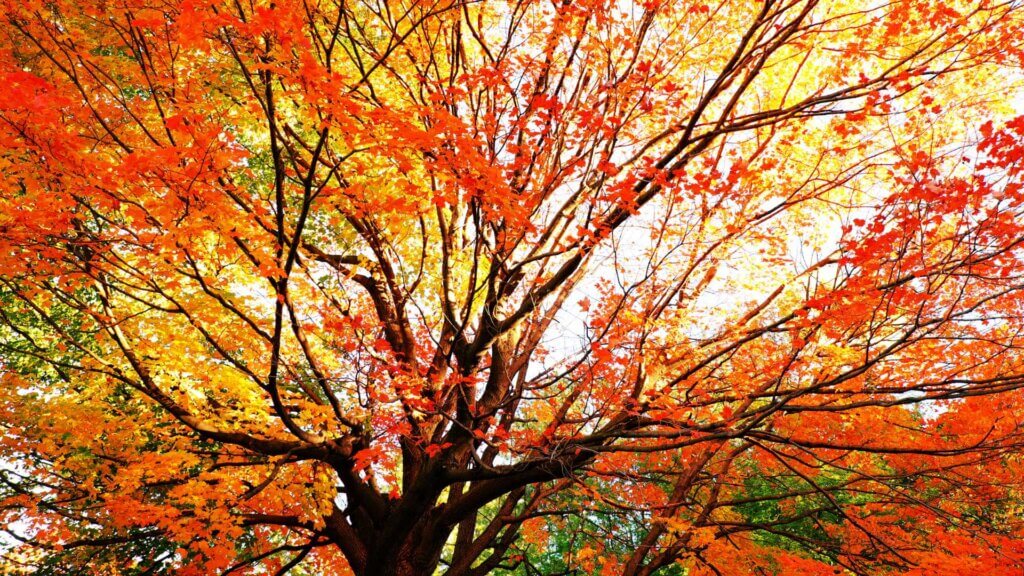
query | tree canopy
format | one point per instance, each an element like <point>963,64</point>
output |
<point>405,287</point>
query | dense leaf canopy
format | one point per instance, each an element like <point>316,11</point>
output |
<point>404,287</point>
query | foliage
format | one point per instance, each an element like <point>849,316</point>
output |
<point>511,286</point>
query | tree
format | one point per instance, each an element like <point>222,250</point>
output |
<point>397,287</point>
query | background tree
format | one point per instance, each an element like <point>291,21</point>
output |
<point>511,286</point>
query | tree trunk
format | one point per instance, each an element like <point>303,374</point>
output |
<point>415,551</point>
